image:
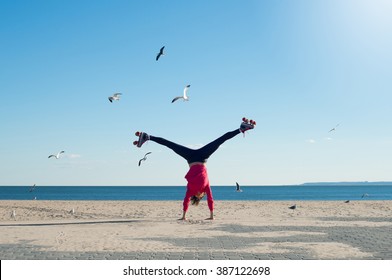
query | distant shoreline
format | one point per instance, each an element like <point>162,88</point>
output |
<point>367,183</point>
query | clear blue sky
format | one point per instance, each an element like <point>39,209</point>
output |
<point>297,67</point>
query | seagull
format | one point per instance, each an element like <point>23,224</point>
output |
<point>347,201</point>
<point>56,156</point>
<point>364,195</point>
<point>115,96</point>
<point>143,159</point>
<point>72,212</point>
<point>32,188</point>
<point>185,97</point>
<point>160,53</point>
<point>238,187</point>
<point>13,214</point>
<point>333,129</point>
<point>293,207</point>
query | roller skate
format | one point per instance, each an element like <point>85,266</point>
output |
<point>143,137</point>
<point>247,124</point>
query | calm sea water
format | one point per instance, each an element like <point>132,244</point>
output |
<point>299,192</point>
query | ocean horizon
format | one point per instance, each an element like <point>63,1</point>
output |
<point>311,191</point>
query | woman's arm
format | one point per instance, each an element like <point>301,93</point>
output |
<point>185,205</point>
<point>183,216</point>
<point>210,201</point>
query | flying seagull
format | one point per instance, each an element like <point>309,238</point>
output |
<point>160,53</point>
<point>333,129</point>
<point>56,156</point>
<point>364,195</point>
<point>293,207</point>
<point>143,159</point>
<point>238,187</point>
<point>184,96</point>
<point>115,96</point>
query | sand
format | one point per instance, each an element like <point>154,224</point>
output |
<point>151,230</point>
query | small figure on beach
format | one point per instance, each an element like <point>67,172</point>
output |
<point>293,207</point>
<point>13,215</point>
<point>198,183</point>
<point>32,188</point>
<point>238,189</point>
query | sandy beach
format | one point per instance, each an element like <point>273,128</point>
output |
<point>151,230</point>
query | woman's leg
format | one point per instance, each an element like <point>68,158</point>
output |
<point>202,154</point>
<point>184,152</point>
<point>206,151</point>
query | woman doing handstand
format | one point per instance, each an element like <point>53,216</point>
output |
<point>197,177</point>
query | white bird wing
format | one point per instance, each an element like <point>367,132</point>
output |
<point>186,91</point>
<point>117,94</point>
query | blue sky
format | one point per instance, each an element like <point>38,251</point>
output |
<point>297,67</point>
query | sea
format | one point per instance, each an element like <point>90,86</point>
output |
<point>255,193</point>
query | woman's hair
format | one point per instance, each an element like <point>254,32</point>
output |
<point>195,200</point>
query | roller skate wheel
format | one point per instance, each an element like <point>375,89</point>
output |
<point>135,143</point>
<point>243,119</point>
<point>137,133</point>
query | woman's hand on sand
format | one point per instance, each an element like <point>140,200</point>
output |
<point>211,216</point>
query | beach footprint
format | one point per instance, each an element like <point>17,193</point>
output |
<point>61,238</point>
